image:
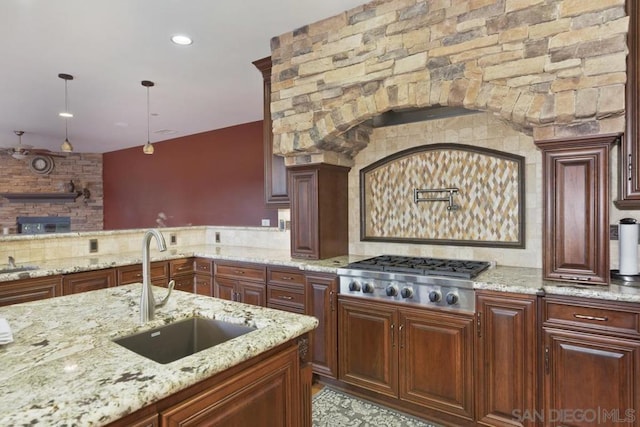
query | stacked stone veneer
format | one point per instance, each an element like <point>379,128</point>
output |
<point>84,169</point>
<point>550,68</point>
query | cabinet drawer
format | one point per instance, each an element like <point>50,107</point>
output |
<point>183,283</point>
<point>204,266</point>
<point>180,266</point>
<point>284,295</point>
<point>133,273</point>
<point>604,316</point>
<point>203,285</point>
<point>244,271</point>
<point>286,276</point>
<point>283,307</point>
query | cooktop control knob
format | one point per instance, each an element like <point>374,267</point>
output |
<point>354,286</point>
<point>406,292</point>
<point>434,296</point>
<point>452,298</point>
<point>392,290</point>
<point>367,288</point>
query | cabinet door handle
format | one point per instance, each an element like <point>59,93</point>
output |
<point>287,278</point>
<point>400,328</point>
<point>479,324</point>
<point>239,272</point>
<point>630,167</point>
<point>393,337</point>
<point>331,300</point>
<point>578,278</point>
<point>546,360</point>
<point>184,267</point>
<point>287,297</point>
<point>586,317</point>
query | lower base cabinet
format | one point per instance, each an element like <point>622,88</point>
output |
<point>272,391</point>
<point>26,290</point>
<point>322,301</point>
<point>423,359</point>
<point>506,374</point>
<point>88,281</point>
<point>591,365</point>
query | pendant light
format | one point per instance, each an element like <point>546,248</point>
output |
<point>148,148</point>
<point>66,145</point>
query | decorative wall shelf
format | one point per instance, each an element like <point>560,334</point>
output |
<point>40,197</point>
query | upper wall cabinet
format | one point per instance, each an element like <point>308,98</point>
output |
<point>576,209</point>
<point>629,170</point>
<point>275,173</point>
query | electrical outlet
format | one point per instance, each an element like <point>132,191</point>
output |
<point>93,246</point>
<point>217,237</point>
<point>614,234</point>
<point>173,239</point>
<point>266,222</point>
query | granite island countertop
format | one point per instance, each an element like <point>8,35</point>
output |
<point>64,369</point>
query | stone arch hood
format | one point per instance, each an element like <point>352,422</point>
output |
<point>552,69</point>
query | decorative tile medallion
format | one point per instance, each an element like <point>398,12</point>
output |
<point>450,194</point>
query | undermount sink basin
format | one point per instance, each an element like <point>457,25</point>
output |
<point>17,269</point>
<point>168,343</point>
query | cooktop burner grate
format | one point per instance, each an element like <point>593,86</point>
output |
<point>422,266</point>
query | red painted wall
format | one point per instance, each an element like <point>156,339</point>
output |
<point>211,178</point>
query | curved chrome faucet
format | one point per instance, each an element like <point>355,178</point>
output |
<point>148,303</point>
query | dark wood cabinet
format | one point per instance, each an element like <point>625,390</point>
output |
<point>319,211</point>
<point>591,354</point>
<point>322,301</point>
<point>241,282</point>
<point>275,173</point>
<point>26,290</point>
<point>203,279</point>
<point>506,363</point>
<point>133,273</point>
<point>181,271</point>
<point>576,209</point>
<point>267,394</point>
<point>420,357</point>
<point>286,289</point>
<point>88,281</point>
<point>629,154</point>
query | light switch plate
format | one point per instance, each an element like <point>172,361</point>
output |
<point>266,222</point>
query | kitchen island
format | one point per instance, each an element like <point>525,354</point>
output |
<point>64,369</point>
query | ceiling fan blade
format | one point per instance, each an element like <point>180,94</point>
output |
<point>45,152</point>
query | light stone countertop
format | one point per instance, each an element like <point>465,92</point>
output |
<point>500,278</point>
<point>64,369</point>
<point>219,252</point>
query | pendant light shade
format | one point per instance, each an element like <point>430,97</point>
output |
<point>66,145</point>
<point>148,148</point>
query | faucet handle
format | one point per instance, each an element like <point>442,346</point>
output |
<point>170,286</point>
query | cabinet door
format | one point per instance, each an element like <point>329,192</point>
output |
<point>629,155</point>
<point>321,300</point>
<point>368,346</point>
<point>251,293</point>
<point>88,281</point>
<point>506,358</point>
<point>576,209</point>
<point>202,285</point>
<point>266,395</point>
<point>275,172</point>
<point>26,290</point>
<point>224,288</point>
<point>304,214</point>
<point>590,380</point>
<point>436,361</point>
<point>183,283</point>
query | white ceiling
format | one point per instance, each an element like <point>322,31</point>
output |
<point>110,46</point>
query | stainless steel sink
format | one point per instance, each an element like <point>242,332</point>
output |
<point>17,269</point>
<point>174,341</point>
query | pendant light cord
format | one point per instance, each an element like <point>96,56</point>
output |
<point>148,126</point>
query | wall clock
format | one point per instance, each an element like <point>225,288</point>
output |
<point>42,165</point>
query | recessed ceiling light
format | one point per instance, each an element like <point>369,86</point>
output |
<point>181,39</point>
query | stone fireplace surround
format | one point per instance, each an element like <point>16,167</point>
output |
<point>548,68</point>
